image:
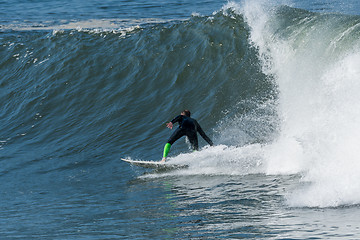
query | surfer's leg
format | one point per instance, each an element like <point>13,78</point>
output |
<point>193,139</point>
<point>173,138</point>
<point>166,150</point>
<point>178,133</point>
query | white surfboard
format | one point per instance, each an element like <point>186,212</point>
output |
<point>154,165</point>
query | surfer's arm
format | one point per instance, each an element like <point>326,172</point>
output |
<point>203,135</point>
<point>171,123</point>
<point>176,119</point>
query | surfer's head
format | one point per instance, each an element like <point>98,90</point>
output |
<point>186,113</point>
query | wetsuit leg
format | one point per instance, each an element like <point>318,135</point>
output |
<point>176,135</point>
<point>192,136</point>
<point>166,149</point>
<point>173,138</point>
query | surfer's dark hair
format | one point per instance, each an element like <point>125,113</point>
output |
<point>187,113</point>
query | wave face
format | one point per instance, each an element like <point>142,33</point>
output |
<point>275,89</point>
<point>90,96</point>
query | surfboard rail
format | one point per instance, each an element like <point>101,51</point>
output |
<point>155,164</point>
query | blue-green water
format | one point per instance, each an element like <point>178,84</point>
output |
<point>275,86</point>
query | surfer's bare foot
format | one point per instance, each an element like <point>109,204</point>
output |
<point>163,160</point>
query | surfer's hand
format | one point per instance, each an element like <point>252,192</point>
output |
<point>169,125</point>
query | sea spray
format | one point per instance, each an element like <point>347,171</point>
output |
<point>314,61</point>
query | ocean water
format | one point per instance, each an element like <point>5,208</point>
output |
<point>275,84</point>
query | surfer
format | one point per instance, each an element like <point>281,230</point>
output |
<point>187,127</point>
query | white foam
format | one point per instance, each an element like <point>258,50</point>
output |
<point>319,104</point>
<point>219,160</point>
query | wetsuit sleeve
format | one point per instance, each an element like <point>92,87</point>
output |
<point>176,119</point>
<point>203,135</point>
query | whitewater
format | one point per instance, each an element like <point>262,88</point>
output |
<point>273,83</point>
<point>315,66</point>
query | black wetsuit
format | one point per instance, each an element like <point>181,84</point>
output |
<point>188,127</point>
